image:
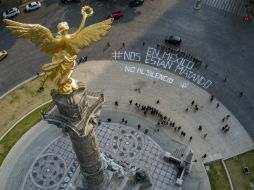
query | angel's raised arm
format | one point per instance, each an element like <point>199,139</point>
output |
<point>86,11</point>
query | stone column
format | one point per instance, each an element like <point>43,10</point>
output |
<point>88,155</point>
<point>76,111</point>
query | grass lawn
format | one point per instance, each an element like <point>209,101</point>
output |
<point>21,101</point>
<point>23,126</point>
<point>217,176</point>
<point>235,167</point>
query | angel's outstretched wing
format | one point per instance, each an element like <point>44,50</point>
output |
<point>90,34</point>
<point>37,33</point>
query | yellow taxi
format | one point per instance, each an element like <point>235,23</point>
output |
<point>3,54</point>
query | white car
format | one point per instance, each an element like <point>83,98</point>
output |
<point>33,6</point>
<point>11,12</point>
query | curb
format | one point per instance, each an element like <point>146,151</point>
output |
<point>226,158</point>
<point>22,119</point>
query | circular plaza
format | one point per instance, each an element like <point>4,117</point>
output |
<point>132,135</point>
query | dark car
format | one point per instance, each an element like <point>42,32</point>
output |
<point>69,1</point>
<point>135,3</point>
<point>175,40</point>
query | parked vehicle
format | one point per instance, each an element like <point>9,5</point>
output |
<point>175,40</point>
<point>69,1</point>
<point>33,6</point>
<point>11,13</point>
<point>3,54</point>
<point>115,15</point>
<point>135,3</point>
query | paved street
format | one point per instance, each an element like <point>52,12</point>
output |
<point>219,38</point>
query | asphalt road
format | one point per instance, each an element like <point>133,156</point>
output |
<point>220,39</point>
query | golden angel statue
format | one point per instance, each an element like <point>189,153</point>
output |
<point>63,48</point>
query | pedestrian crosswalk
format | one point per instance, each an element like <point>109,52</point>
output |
<point>236,7</point>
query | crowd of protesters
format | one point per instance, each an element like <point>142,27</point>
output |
<point>180,53</point>
<point>165,121</point>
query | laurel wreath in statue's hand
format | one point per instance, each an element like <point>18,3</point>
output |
<point>87,11</point>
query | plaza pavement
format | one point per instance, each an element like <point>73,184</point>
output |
<point>119,85</point>
<point>110,76</point>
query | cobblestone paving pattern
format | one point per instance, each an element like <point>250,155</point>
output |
<point>128,144</point>
<point>55,166</point>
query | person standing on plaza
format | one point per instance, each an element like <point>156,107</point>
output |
<point>211,99</point>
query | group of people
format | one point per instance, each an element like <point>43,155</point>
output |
<point>163,120</point>
<point>180,53</point>
<point>148,109</point>
<point>225,128</point>
<point>194,106</point>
